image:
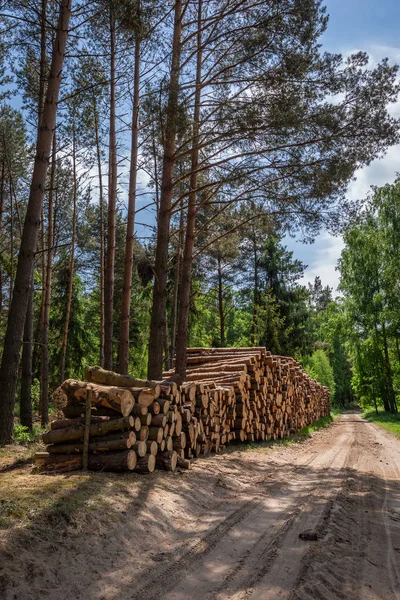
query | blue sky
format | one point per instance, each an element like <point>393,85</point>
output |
<point>373,26</point>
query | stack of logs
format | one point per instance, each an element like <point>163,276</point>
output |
<point>230,394</point>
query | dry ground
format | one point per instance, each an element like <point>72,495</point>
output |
<point>228,529</point>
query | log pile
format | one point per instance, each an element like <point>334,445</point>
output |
<point>248,394</point>
<point>230,395</point>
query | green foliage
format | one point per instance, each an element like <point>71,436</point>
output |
<point>318,366</point>
<point>388,421</point>
<point>23,436</point>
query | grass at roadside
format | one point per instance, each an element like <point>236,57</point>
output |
<point>301,436</point>
<point>384,419</point>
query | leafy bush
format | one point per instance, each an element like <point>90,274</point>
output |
<point>22,435</point>
<point>318,366</point>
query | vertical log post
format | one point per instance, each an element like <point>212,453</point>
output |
<point>85,455</point>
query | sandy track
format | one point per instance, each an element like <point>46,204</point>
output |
<point>229,529</point>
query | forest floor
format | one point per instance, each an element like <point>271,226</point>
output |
<point>227,529</point>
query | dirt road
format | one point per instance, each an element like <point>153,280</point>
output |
<point>229,529</point>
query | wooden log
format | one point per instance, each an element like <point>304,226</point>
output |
<point>76,432</point>
<point>152,447</point>
<point>158,420</point>
<point>167,460</point>
<point>62,423</point>
<point>140,448</point>
<point>146,464</point>
<point>183,463</point>
<point>154,408</point>
<point>146,419</point>
<point>156,434</point>
<point>164,405</point>
<point>120,441</point>
<point>107,461</point>
<point>115,398</point>
<point>140,410</point>
<point>143,434</point>
<point>145,396</point>
<point>73,411</point>
<point>102,376</point>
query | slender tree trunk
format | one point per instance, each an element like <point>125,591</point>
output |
<point>101,207</point>
<point>130,230</point>
<point>388,370</point>
<point>184,304</point>
<point>175,299</point>
<point>28,345</point>
<point>112,204</point>
<point>11,242</point>
<point>1,233</point>
<point>156,183</point>
<point>26,258</point>
<point>26,367</point>
<point>72,260</point>
<point>221,304</point>
<point>158,313</point>
<point>44,371</point>
<point>255,295</point>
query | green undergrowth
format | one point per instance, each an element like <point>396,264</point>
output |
<point>384,419</point>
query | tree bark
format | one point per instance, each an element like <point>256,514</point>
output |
<point>72,260</point>
<point>76,432</point>
<point>130,230</point>
<point>175,300</point>
<point>158,314</point>
<point>255,294</point>
<point>1,232</point>
<point>112,204</point>
<point>23,280</point>
<point>221,305</point>
<point>107,461</point>
<point>44,372</point>
<point>101,208</point>
<point>388,370</point>
<point>184,304</point>
<point>25,406</point>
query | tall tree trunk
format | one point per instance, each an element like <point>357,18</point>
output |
<point>26,367</point>
<point>221,311</point>
<point>388,371</point>
<point>175,300</point>
<point>184,304</point>
<point>26,258</point>
<point>221,304</point>
<point>101,208</point>
<point>44,371</point>
<point>28,345</point>
<point>158,313</point>
<point>72,260</point>
<point>130,230</point>
<point>2,185</point>
<point>112,204</point>
<point>255,296</point>
<point>11,241</point>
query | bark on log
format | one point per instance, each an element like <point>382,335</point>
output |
<point>167,460</point>
<point>108,443</point>
<point>102,376</point>
<point>152,447</point>
<point>76,432</point>
<point>146,464</point>
<point>108,461</point>
<point>115,398</point>
<point>140,448</point>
